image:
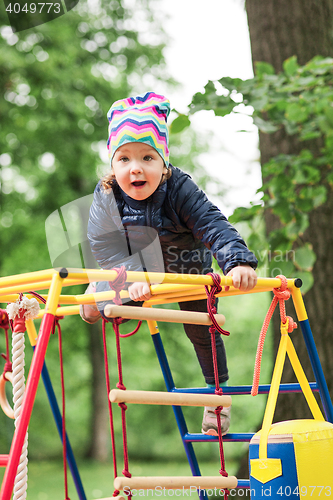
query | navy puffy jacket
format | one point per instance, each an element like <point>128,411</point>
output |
<point>123,231</point>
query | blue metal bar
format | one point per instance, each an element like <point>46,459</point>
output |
<point>58,420</point>
<point>170,385</point>
<point>246,389</point>
<point>243,483</point>
<point>239,437</point>
<point>317,369</point>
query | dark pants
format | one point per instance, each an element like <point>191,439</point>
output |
<point>198,334</point>
<point>201,339</point>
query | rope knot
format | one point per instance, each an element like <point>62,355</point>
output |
<point>126,473</point>
<point>4,321</point>
<point>218,410</point>
<point>219,391</point>
<point>118,283</point>
<point>116,493</point>
<point>122,406</point>
<point>121,386</point>
<point>223,473</point>
<point>7,368</point>
<point>282,292</point>
<point>292,324</point>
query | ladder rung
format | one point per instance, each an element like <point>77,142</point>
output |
<point>167,315</point>
<point>168,398</point>
<point>4,460</point>
<point>172,482</point>
<point>235,437</point>
<point>118,497</point>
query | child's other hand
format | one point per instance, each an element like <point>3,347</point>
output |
<point>243,277</point>
<point>139,291</point>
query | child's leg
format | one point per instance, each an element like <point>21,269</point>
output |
<point>201,339</point>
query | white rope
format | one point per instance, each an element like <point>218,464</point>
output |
<point>30,308</point>
<point>21,479</point>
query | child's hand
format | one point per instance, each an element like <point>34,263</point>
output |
<point>243,277</point>
<point>139,291</point>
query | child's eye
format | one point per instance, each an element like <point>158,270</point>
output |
<point>148,158</point>
<point>123,159</point>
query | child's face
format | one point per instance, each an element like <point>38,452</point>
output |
<point>138,169</point>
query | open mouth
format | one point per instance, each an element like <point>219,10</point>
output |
<point>138,183</point>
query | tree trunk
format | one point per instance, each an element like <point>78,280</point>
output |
<point>280,29</point>
<point>99,448</point>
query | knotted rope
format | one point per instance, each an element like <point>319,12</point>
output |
<point>56,325</point>
<point>211,308</point>
<point>117,285</point>
<point>280,296</point>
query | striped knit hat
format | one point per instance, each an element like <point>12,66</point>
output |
<point>140,119</point>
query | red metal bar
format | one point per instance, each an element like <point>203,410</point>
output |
<point>27,405</point>
<point>4,460</point>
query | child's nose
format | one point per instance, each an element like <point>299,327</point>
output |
<point>136,166</point>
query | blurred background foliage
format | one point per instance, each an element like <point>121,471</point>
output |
<point>57,82</point>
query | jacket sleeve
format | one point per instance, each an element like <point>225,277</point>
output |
<point>106,234</point>
<point>209,225</point>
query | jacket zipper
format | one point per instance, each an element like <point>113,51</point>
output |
<point>148,213</point>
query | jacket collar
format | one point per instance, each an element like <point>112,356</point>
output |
<point>157,198</point>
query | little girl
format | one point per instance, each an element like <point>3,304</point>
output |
<point>144,195</point>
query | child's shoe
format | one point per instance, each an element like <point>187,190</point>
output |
<point>88,312</point>
<point>209,423</point>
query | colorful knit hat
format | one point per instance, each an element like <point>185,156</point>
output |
<point>140,119</point>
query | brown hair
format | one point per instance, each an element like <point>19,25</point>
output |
<point>109,179</point>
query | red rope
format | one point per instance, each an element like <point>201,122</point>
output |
<point>211,309</point>
<point>108,388</point>
<point>280,296</point>
<point>117,285</point>
<point>211,298</point>
<point>4,323</point>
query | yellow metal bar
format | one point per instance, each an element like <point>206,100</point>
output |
<point>62,311</point>
<point>274,391</point>
<point>153,327</point>
<point>54,293</point>
<point>31,331</point>
<point>303,381</point>
<point>32,277</point>
<point>299,304</point>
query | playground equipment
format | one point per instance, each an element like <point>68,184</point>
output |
<point>266,466</point>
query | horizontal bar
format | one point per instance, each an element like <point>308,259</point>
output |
<point>166,315</point>
<point>246,389</point>
<point>168,398</point>
<point>232,437</point>
<point>118,497</point>
<point>172,482</point>
<point>4,460</point>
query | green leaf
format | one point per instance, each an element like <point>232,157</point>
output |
<point>305,258</point>
<point>264,68</point>
<point>329,114</point>
<point>264,126</point>
<point>297,112</point>
<point>296,228</point>
<point>290,66</point>
<point>179,124</point>
<point>281,266</point>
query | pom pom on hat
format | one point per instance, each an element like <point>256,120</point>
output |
<point>140,119</point>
